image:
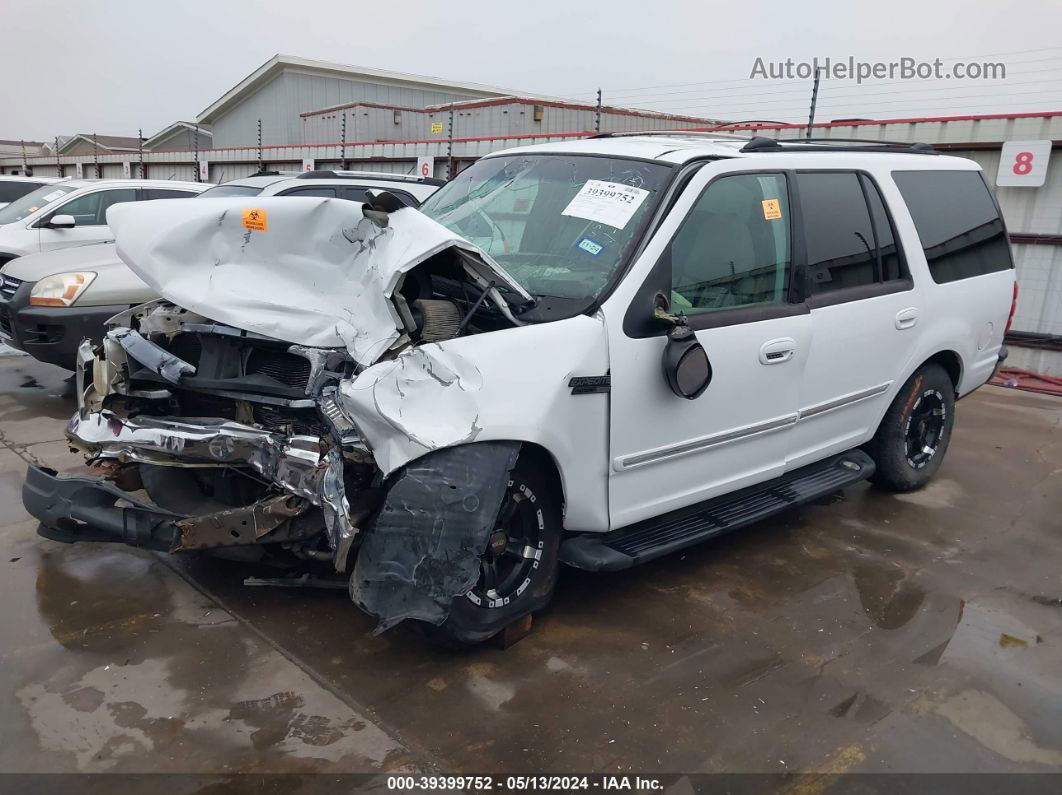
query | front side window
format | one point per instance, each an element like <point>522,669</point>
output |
<point>15,189</point>
<point>733,248</point>
<point>957,221</point>
<point>31,202</point>
<point>559,224</point>
<point>91,209</point>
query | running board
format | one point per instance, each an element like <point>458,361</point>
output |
<point>653,538</point>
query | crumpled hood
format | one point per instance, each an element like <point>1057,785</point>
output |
<point>311,271</point>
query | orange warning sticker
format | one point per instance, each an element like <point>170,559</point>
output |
<point>772,210</point>
<point>255,220</point>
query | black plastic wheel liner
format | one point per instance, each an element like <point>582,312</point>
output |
<point>423,550</point>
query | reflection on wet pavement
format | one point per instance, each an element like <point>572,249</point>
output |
<point>866,632</point>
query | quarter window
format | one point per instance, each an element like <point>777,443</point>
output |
<point>733,247</point>
<point>957,222</point>
<point>166,193</point>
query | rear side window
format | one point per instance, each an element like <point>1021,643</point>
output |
<point>957,222</point>
<point>319,191</point>
<point>837,232</point>
<point>166,193</point>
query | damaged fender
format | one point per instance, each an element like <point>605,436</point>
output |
<point>424,548</point>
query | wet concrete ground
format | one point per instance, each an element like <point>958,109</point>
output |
<point>869,633</point>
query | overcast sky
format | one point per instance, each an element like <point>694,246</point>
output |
<point>112,66</point>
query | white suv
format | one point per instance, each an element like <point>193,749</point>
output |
<point>73,212</point>
<point>658,339</point>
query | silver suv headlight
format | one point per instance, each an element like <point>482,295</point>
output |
<point>60,289</point>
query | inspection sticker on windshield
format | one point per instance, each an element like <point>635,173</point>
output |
<point>606,202</point>
<point>255,220</point>
<point>55,194</point>
<point>591,247</point>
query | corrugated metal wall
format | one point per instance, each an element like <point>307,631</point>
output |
<point>515,118</point>
<point>279,103</point>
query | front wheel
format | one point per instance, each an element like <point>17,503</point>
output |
<point>518,569</point>
<point>910,443</point>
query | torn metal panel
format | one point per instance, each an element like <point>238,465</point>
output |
<point>320,274</point>
<point>423,549</point>
<point>425,396</point>
<point>244,525</point>
<point>152,356</point>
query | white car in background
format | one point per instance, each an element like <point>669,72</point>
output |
<point>50,301</point>
<point>74,212</point>
<point>15,187</point>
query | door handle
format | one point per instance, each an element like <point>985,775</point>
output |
<point>906,318</point>
<point>777,351</point>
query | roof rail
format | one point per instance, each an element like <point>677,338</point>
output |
<point>672,134</point>
<point>762,144</point>
<point>385,177</point>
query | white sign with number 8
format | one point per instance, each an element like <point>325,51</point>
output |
<point>1023,164</point>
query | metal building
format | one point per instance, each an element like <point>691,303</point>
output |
<point>479,118</point>
<point>286,86</point>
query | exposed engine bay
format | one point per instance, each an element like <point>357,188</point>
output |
<point>245,442</point>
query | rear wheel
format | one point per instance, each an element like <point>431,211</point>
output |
<point>910,443</point>
<point>518,569</point>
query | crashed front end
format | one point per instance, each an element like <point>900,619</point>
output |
<point>201,434</point>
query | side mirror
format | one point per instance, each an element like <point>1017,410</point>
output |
<point>61,222</point>
<point>686,367</point>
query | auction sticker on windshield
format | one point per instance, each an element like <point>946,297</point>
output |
<point>606,202</point>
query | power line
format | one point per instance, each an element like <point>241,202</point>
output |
<point>859,91</point>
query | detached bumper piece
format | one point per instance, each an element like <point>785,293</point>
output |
<point>74,509</point>
<point>661,535</point>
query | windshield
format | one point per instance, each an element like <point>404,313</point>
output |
<point>559,224</point>
<point>31,202</point>
<point>229,190</point>
<point>14,189</point>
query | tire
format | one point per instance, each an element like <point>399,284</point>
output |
<point>531,501</point>
<point>909,445</point>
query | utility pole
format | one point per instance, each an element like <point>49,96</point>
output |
<point>259,144</point>
<point>597,120</point>
<point>25,165</point>
<point>450,146</point>
<point>343,143</point>
<point>96,156</point>
<point>196,144</point>
<point>140,147</point>
<point>814,99</point>
<point>58,162</point>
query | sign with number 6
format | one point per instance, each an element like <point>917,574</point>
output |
<point>1023,164</point>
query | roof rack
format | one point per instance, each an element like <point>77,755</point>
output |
<point>763,144</point>
<point>330,174</point>
<point>672,134</point>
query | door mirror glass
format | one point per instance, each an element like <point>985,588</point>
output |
<point>62,222</point>
<point>687,369</point>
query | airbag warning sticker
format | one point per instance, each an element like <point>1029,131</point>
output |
<point>606,202</point>
<point>255,220</point>
<point>772,209</point>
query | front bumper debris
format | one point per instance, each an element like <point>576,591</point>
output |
<point>294,463</point>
